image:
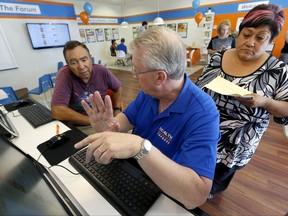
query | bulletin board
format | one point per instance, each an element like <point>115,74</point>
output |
<point>7,60</point>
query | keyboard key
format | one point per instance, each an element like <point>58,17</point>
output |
<point>36,115</point>
<point>126,187</point>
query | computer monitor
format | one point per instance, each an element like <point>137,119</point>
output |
<point>28,188</point>
<point>48,35</point>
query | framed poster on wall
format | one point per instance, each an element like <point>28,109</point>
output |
<point>172,26</point>
<point>182,29</point>
<point>82,35</point>
<point>108,34</point>
<point>115,33</point>
<point>135,31</point>
<point>90,33</point>
<point>99,35</point>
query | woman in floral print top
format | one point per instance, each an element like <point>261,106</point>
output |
<point>244,121</point>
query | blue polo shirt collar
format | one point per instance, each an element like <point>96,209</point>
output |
<point>179,105</point>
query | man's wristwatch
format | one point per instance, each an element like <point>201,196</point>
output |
<point>146,148</point>
<point>117,108</point>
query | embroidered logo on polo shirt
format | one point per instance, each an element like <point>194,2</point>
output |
<point>164,135</point>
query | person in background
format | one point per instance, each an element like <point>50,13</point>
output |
<point>223,41</point>
<point>78,79</point>
<point>143,26</point>
<point>122,46</point>
<point>284,52</point>
<point>113,47</point>
<point>175,124</point>
<point>243,120</point>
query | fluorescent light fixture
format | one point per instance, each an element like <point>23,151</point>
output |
<point>158,20</point>
<point>124,24</point>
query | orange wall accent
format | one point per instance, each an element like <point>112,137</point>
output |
<point>278,41</point>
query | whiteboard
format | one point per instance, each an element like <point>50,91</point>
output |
<point>7,60</point>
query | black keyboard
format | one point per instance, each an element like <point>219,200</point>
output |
<point>128,189</point>
<point>36,114</point>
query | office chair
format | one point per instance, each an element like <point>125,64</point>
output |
<point>189,57</point>
<point>7,95</point>
<point>44,84</point>
<point>53,78</point>
<point>60,65</point>
<point>110,92</point>
<point>121,57</point>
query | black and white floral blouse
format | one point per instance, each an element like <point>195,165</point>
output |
<point>242,127</point>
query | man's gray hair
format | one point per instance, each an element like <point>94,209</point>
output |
<point>163,49</point>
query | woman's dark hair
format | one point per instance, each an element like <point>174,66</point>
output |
<point>70,45</point>
<point>264,14</point>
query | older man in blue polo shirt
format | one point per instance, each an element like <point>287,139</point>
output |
<point>175,124</point>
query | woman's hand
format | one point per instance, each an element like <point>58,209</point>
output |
<point>101,115</point>
<point>253,100</point>
<point>274,107</point>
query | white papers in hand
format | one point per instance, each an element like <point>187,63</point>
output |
<point>225,87</point>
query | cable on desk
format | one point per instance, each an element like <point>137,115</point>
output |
<point>41,153</point>
<point>74,173</point>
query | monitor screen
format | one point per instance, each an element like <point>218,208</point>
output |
<point>48,35</point>
<point>23,189</point>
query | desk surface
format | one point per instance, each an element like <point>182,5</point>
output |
<point>85,194</point>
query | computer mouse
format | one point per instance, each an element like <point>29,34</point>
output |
<point>56,141</point>
<point>21,103</point>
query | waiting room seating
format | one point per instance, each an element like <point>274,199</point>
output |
<point>7,95</point>
<point>193,56</point>
<point>60,65</point>
<point>121,58</point>
<point>189,57</point>
<point>110,92</point>
<point>44,84</point>
<point>53,78</point>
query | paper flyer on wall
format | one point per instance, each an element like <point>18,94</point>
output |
<point>225,87</point>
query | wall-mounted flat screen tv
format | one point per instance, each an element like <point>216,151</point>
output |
<point>48,35</point>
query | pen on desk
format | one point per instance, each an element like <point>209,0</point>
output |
<point>57,129</point>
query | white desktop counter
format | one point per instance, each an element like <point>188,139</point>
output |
<point>80,188</point>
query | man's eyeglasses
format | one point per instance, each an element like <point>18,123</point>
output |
<point>135,73</point>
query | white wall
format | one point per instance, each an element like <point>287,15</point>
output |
<point>34,63</point>
<point>101,50</point>
<point>31,63</point>
<point>146,6</point>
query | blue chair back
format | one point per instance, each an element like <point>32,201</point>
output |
<point>45,83</point>
<point>9,95</point>
<point>53,78</point>
<point>60,65</point>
